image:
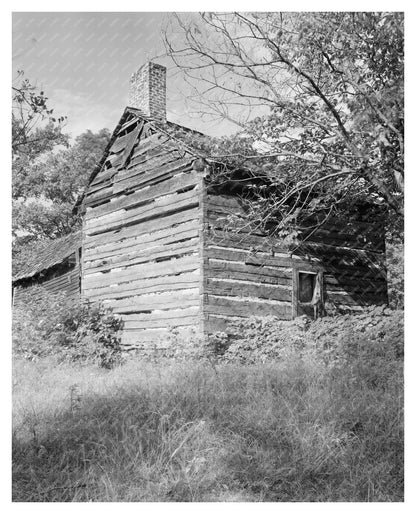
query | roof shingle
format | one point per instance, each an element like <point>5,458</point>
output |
<point>53,253</point>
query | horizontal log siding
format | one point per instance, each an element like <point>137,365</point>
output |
<point>353,260</point>
<point>141,242</point>
<point>243,275</point>
<point>247,274</point>
<point>349,287</point>
<point>67,281</point>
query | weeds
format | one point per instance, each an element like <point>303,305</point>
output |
<point>46,324</point>
<point>288,431</point>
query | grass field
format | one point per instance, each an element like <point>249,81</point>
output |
<point>289,431</point>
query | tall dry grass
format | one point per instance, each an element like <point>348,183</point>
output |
<point>288,431</point>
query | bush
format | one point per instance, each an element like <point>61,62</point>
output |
<point>373,338</point>
<point>55,325</point>
<point>395,267</point>
<point>264,339</point>
<point>375,332</point>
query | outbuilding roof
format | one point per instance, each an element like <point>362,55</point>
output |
<point>52,254</point>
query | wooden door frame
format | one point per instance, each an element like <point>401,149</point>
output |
<point>302,267</point>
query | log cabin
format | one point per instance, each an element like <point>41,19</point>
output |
<point>156,248</point>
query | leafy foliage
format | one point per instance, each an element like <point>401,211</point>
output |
<point>45,188</point>
<point>48,174</point>
<point>333,83</point>
<point>35,128</point>
<point>371,339</point>
<point>54,325</point>
<point>395,267</point>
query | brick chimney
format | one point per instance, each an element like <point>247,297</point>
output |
<point>148,90</point>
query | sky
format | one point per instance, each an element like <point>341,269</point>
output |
<point>83,62</point>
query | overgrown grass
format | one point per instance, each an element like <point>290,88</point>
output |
<point>288,431</point>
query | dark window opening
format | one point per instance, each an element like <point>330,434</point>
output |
<point>307,282</point>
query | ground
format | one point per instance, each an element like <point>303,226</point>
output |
<point>195,431</point>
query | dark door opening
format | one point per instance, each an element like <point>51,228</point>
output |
<point>307,282</point>
<point>308,293</point>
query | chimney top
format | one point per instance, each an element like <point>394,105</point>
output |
<point>148,90</point>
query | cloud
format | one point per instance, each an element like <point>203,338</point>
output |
<point>83,112</point>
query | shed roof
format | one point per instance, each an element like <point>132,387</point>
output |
<point>52,254</point>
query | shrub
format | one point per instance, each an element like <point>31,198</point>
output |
<point>395,268</point>
<point>186,345</point>
<point>47,324</point>
<point>372,337</point>
<point>264,339</point>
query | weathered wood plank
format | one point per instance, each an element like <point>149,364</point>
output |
<point>350,269</point>
<point>99,197</point>
<point>159,208</point>
<point>104,175</point>
<point>95,189</point>
<point>143,286</point>
<point>247,289</point>
<point>150,142</point>
<point>217,221</point>
<point>182,232</point>
<point>119,143</point>
<point>132,140</point>
<point>130,121</point>
<point>67,282</point>
<point>188,263</point>
<point>353,285</point>
<point>327,237</point>
<point>243,241</point>
<point>150,192</point>
<point>259,258</point>
<point>160,173</point>
<point>155,225</point>
<point>249,277</point>
<point>140,255</point>
<point>233,267</point>
<point>356,299</point>
<point>155,301</point>
<point>148,163</point>
<point>139,244</point>
<point>115,159</point>
<point>148,151</point>
<point>224,204</point>
<point>231,307</point>
<point>168,316</point>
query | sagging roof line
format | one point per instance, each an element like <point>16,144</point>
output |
<point>54,253</point>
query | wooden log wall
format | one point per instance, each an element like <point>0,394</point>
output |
<point>141,243</point>
<point>242,274</point>
<point>353,260</point>
<point>62,280</point>
<point>245,274</point>
<point>157,249</point>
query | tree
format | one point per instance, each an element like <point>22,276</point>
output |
<point>333,135</point>
<point>45,191</point>
<point>35,129</point>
